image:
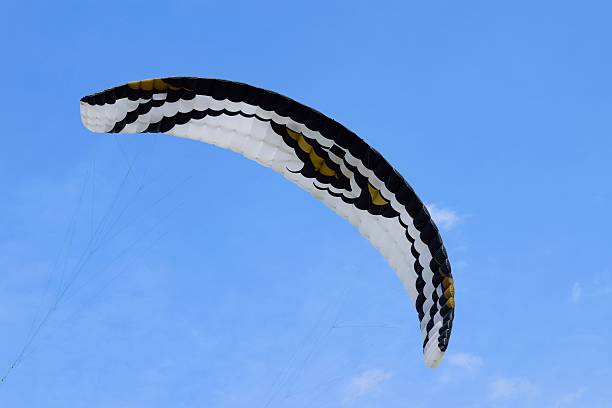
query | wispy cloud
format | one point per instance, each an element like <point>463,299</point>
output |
<point>466,361</point>
<point>597,289</point>
<point>460,364</point>
<point>503,388</point>
<point>443,217</point>
<point>576,295</point>
<point>570,398</point>
<point>364,384</point>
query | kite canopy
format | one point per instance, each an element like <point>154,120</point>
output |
<point>315,152</point>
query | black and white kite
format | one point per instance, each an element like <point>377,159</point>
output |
<point>315,152</point>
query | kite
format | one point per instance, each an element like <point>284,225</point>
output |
<point>313,151</point>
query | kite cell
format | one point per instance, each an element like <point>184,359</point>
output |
<point>315,152</point>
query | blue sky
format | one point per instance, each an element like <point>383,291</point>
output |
<point>217,283</point>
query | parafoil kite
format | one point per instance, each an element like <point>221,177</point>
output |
<point>315,152</point>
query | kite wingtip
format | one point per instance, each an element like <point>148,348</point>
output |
<point>432,353</point>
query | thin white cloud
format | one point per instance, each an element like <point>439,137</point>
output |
<point>466,361</point>
<point>443,217</point>
<point>458,365</point>
<point>570,398</point>
<point>364,384</point>
<point>576,295</point>
<point>504,388</point>
<point>598,289</point>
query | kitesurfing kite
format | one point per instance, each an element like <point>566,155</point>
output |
<point>315,152</point>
